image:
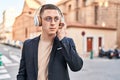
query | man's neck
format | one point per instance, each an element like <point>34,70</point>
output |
<point>47,37</point>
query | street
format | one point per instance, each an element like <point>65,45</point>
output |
<point>10,60</point>
<point>98,69</point>
<point>93,69</point>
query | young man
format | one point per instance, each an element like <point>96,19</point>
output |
<point>46,57</point>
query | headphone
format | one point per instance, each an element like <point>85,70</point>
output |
<point>37,19</point>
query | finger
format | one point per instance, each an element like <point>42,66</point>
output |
<point>60,27</point>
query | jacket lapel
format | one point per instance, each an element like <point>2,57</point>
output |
<point>35,53</point>
<point>52,55</point>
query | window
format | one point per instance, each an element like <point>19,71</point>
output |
<point>26,32</point>
<point>69,7</point>
<point>84,3</point>
<point>96,14</point>
<point>77,9</point>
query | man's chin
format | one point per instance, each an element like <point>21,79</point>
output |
<point>52,33</point>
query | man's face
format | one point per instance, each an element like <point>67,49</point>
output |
<point>50,21</point>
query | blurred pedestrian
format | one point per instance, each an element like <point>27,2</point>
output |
<point>46,56</point>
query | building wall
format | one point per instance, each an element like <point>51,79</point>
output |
<point>92,13</point>
<point>23,27</point>
<point>1,31</point>
<point>89,15</point>
<point>110,16</point>
<point>106,17</point>
<point>118,25</point>
<point>108,41</point>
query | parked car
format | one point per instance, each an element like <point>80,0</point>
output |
<point>110,53</point>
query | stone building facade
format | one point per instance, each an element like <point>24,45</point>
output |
<point>98,19</point>
<point>92,12</point>
<point>91,23</point>
<point>104,13</point>
<point>23,27</point>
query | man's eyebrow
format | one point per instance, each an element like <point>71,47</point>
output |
<point>51,16</point>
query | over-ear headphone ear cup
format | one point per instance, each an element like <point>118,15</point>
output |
<point>62,22</point>
<point>36,20</point>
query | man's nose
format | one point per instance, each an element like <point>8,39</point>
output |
<point>52,21</point>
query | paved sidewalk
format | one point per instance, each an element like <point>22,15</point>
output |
<point>98,69</point>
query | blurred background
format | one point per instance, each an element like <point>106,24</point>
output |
<point>94,25</point>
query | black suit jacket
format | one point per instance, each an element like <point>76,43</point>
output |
<point>63,53</point>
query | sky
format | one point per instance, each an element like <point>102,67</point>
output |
<point>16,5</point>
<point>10,4</point>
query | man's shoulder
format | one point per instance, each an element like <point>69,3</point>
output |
<point>29,41</point>
<point>68,38</point>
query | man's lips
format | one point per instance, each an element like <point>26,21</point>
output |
<point>52,28</point>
